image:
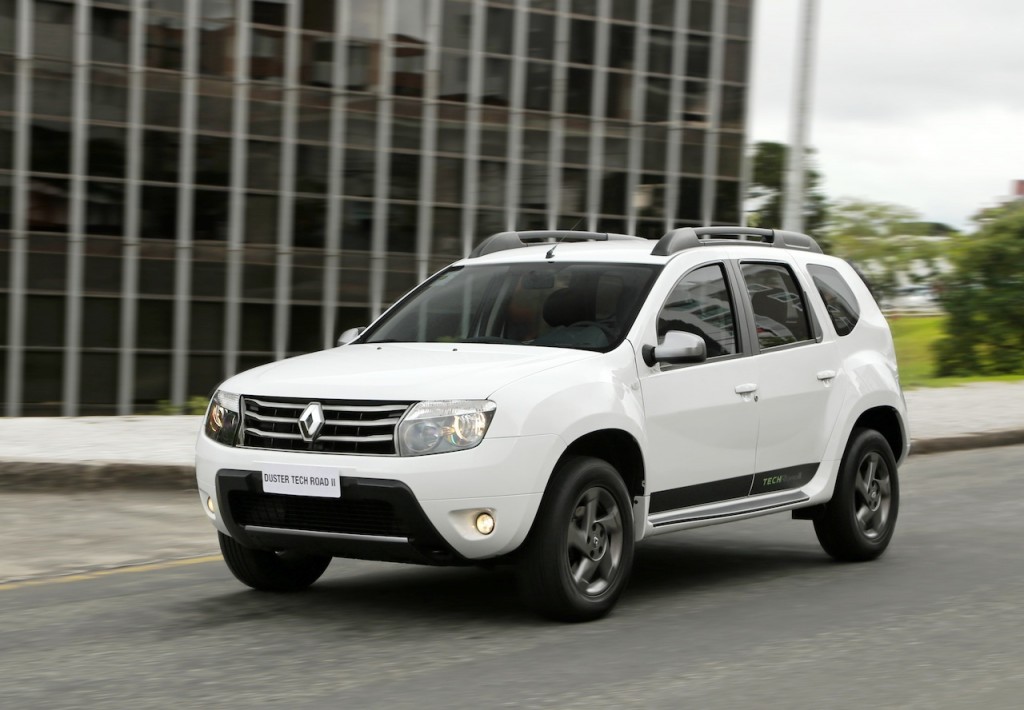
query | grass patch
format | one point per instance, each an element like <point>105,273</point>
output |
<point>915,339</point>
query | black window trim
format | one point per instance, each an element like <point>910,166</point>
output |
<point>740,316</point>
<point>816,333</point>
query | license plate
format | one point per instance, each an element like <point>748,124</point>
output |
<point>297,480</point>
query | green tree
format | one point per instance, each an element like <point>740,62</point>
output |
<point>983,298</point>
<point>767,184</point>
<point>885,241</point>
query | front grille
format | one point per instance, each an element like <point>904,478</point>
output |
<point>366,428</point>
<point>335,515</point>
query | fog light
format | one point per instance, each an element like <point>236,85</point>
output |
<point>209,504</point>
<point>484,524</point>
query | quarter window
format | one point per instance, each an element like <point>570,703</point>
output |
<point>780,313</point>
<point>701,303</point>
<point>842,306</point>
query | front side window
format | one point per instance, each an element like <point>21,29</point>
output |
<point>564,305</point>
<point>780,313</point>
<point>701,303</point>
<point>842,306</point>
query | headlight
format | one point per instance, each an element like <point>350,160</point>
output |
<point>222,418</point>
<point>436,427</point>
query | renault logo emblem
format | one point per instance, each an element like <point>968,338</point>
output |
<point>311,421</point>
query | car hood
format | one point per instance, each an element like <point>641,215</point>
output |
<point>401,371</point>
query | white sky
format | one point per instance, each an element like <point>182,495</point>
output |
<point>915,102</point>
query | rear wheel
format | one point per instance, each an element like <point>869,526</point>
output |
<point>858,523</point>
<point>579,555</point>
<point>271,571</point>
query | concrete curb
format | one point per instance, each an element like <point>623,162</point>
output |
<point>59,477</point>
<point>39,476</point>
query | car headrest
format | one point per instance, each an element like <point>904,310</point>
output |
<point>567,306</point>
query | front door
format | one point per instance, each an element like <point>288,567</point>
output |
<point>702,418</point>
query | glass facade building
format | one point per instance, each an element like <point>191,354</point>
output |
<point>189,188</point>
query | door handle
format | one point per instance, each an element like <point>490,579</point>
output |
<point>746,389</point>
<point>826,375</point>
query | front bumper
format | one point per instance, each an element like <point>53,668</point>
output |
<point>414,509</point>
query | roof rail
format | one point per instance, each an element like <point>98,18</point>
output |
<point>515,240</point>
<point>688,237</point>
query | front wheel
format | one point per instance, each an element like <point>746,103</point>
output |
<point>271,571</point>
<point>858,523</point>
<point>579,555</point>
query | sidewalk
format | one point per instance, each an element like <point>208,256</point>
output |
<point>88,453</point>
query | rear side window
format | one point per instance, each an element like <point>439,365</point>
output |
<point>839,300</point>
<point>779,310</point>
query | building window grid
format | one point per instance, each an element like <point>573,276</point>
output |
<point>185,181</point>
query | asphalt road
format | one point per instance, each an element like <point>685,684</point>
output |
<point>743,615</point>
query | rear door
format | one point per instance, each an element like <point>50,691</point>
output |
<point>800,382</point>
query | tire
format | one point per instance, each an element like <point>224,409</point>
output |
<point>579,554</point>
<point>858,523</point>
<point>271,571</point>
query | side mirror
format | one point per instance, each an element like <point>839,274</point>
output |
<point>678,347</point>
<point>349,335</point>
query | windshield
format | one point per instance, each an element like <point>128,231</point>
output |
<point>564,305</point>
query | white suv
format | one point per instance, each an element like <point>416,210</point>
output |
<point>555,398</point>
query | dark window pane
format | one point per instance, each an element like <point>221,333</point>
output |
<point>613,193</point>
<point>357,227</point>
<point>51,89</point>
<point>402,227</point>
<point>318,16</point>
<point>360,169</point>
<point>47,271</point>
<point>581,42</point>
<point>405,176</point>
<point>48,205</point>
<point>160,156</point>
<point>263,165</point>
<point>499,31</point>
<point>155,319</point>
<point>53,25</point>
<point>456,25</point>
<point>269,13</point>
<point>688,205</point>
<point>621,49</point>
<point>311,168</point>
<point>407,125</point>
<point>314,116</point>
<point>624,10</point>
<point>738,18</point>
<point>619,102</point>
<point>206,326</point>
<point>257,327</point>
<point>152,379</point>
<point>98,383</point>
<point>448,186</point>
<point>539,82</point>
<point>736,61</point>
<point>210,214</point>
<point>497,88</point>
<point>304,329</point>
<point>208,277</point>
<point>578,91</point>
<point>842,306</point>
<point>700,15</point>
<point>213,160</point>
<point>110,32</point>
<point>159,212</point>
<point>309,223</point>
<point>454,78</point>
<point>656,104</point>
<point>215,106</point>
<point>659,52</point>
<point>106,151</point>
<point>108,94</point>
<point>43,382</point>
<point>362,66</point>
<point>261,219</point>
<point>663,12</point>
<point>265,118</point>
<point>491,179</point>
<point>101,319</point>
<point>103,274</point>
<point>778,304</point>
<point>698,55</point>
<point>317,67</point>
<point>51,146</point>
<point>163,99</point>
<point>104,210</point>
<point>541,41</point>
<point>44,321</point>
<point>8,25</point>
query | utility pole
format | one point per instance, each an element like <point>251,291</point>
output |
<point>793,211</point>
